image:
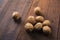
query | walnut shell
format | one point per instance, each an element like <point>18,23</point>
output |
<point>47,22</point>
<point>29,26</point>
<point>46,29</point>
<point>37,11</point>
<point>38,26</point>
<point>16,15</point>
<point>39,18</point>
<point>31,19</point>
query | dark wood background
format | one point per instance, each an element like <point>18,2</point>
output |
<point>9,30</point>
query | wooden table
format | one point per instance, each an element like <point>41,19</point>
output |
<point>9,30</point>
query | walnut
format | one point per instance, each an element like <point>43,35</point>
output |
<point>46,29</point>
<point>37,11</point>
<point>40,18</point>
<point>16,15</point>
<point>31,19</point>
<point>38,26</point>
<point>47,22</point>
<point>29,26</point>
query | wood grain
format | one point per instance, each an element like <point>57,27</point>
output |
<point>10,30</point>
<point>7,22</point>
<point>58,6</point>
<point>49,10</point>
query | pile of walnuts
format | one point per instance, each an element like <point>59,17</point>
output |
<point>38,23</point>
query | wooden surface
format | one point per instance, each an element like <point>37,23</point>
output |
<point>9,30</point>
